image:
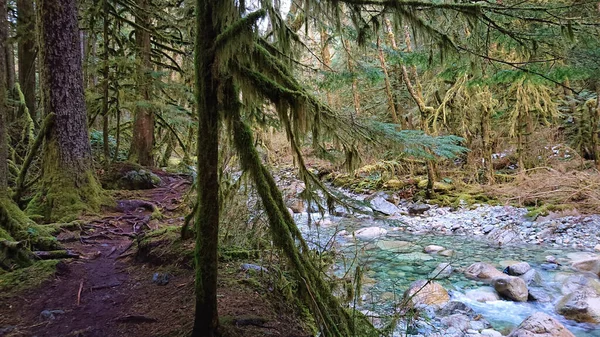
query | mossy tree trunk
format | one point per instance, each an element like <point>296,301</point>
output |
<point>207,216</point>
<point>27,53</point>
<point>3,107</point>
<point>68,184</point>
<point>142,144</point>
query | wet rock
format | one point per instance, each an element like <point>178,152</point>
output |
<point>580,307</point>
<point>458,321</point>
<point>447,253</point>
<point>488,228</point>
<point>296,205</point>
<point>482,271</point>
<point>540,325</point>
<point>589,265</point>
<point>370,233</point>
<point>419,208</point>
<point>443,270</point>
<point>511,287</point>
<point>501,237</point>
<point>423,292</point>
<point>381,205</point>
<point>483,294</point>
<point>49,315</point>
<point>160,279</point>
<point>454,307</point>
<point>551,259</point>
<point>414,257</point>
<point>395,246</point>
<point>531,277</point>
<point>490,333</point>
<point>433,249</point>
<point>518,269</point>
<point>549,266</point>
<point>539,295</point>
<point>579,283</point>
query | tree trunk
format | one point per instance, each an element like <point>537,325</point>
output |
<point>26,51</point>
<point>143,126</point>
<point>3,107</point>
<point>69,184</point>
<point>350,64</point>
<point>207,218</point>
<point>488,166</point>
<point>595,113</point>
<point>10,67</point>
<point>388,86</point>
<point>105,73</point>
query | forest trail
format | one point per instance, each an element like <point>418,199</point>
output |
<point>106,293</point>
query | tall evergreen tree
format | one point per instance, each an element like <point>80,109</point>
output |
<point>69,183</point>
<point>26,52</point>
<point>142,143</point>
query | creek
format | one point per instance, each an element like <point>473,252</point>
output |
<point>394,259</point>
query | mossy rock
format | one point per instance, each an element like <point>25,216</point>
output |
<point>165,247</point>
<point>437,186</point>
<point>394,184</point>
<point>19,280</point>
<point>128,176</point>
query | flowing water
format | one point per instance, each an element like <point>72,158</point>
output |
<point>395,260</point>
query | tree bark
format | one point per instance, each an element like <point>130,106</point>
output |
<point>105,73</point>
<point>388,86</point>
<point>143,126</point>
<point>207,217</point>
<point>3,107</point>
<point>69,184</point>
<point>26,51</point>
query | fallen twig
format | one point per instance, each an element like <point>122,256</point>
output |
<point>79,292</point>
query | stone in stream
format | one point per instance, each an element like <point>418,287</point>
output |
<point>482,271</point>
<point>580,307</point>
<point>532,277</point>
<point>540,325</point>
<point>454,307</point>
<point>539,295</point>
<point>490,333</point>
<point>443,270</point>
<point>395,246</point>
<point>370,233</point>
<point>381,205</point>
<point>518,268</point>
<point>483,294</point>
<point>424,292</point>
<point>447,253</point>
<point>589,265</point>
<point>418,209</point>
<point>511,287</point>
<point>433,249</point>
<point>458,321</point>
<point>501,237</point>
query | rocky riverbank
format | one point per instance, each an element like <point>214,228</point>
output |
<point>544,272</point>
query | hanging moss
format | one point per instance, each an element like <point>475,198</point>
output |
<point>316,294</point>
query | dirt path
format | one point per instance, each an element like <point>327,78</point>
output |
<point>105,293</point>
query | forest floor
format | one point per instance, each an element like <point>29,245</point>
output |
<point>108,292</point>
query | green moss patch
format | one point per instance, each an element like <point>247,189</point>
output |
<point>30,277</point>
<point>164,246</point>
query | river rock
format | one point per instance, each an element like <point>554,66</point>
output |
<point>519,268</point>
<point>511,287</point>
<point>539,295</point>
<point>589,265</point>
<point>579,283</point>
<point>381,205</point>
<point>490,333</point>
<point>296,205</point>
<point>423,292</point>
<point>433,249</point>
<point>370,233</point>
<point>501,237</point>
<point>418,209</point>
<point>580,307</point>
<point>447,253</point>
<point>454,307</point>
<point>541,325</point>
<point>532,277</point>
<point>395,246</point>
<point>483,294</point>
<point>415,256</point>
<point>482,271</point>
<point>443,270</point>
<point>458,321</point>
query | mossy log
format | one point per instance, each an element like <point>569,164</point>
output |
<point>18,234</point>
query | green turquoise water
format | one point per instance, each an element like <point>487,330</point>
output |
<point>396,260</point>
